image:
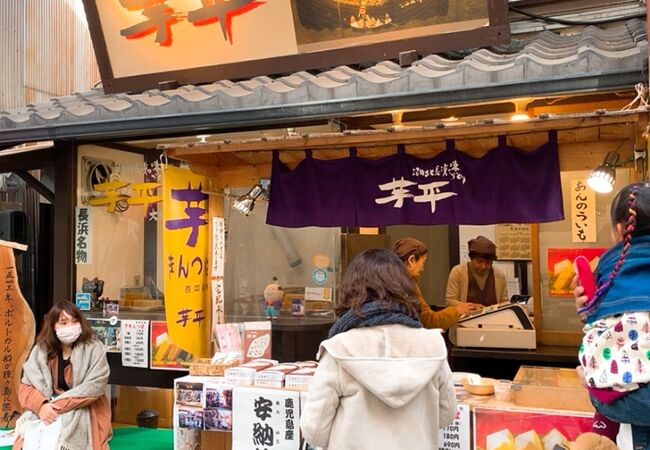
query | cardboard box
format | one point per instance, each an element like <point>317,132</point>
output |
<point>550,387</point>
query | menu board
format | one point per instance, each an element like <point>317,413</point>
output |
<point>135,343</point>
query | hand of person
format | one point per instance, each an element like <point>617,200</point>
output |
<point>48,413</point>
<point>462,308</point>
<point>580,299</point>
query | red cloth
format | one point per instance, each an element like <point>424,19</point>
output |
<point>605,395</point>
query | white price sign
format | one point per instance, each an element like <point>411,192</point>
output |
<point>457,435</point>
<point>135,343</point>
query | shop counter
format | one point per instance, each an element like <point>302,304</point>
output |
<point>293,339</point>
<point>504,363</point>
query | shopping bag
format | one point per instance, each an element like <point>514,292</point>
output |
<point>39,436</point>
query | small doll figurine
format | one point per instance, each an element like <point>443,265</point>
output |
<point>273,295</point>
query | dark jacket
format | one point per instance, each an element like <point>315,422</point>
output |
<point>630,289</point>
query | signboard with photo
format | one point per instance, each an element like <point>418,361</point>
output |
<point>165,354</point>
<point>141,43</point>
<point>560,267</point>
<point>108,333</point>
<point>499,428</point>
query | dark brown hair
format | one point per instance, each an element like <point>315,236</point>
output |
<point>47,337</point>
<point>377,274</point>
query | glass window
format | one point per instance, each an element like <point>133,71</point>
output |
<point>558,312</point>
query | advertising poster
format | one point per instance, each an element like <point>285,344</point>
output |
<point>186,248</point>
<point>217,415</point>
<point>560,267</point>
<point>165,354</point>
<point>108,333</point>
<point>498,428</point>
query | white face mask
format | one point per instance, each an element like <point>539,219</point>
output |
<point>69,334</point>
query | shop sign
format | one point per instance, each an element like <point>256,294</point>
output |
<point>218,246</point>
<point>218,269</point>
<point>218,302</point>
<point>140,43</point>
<point>16,336</point>
<point>135,343</point>
<point>506,185</point>
<point>583,212</point>
<point>83,241</point>
<point>185,246</point>
<point>265,418</point>
<point>457,435</point>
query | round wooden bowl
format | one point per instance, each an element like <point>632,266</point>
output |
<point>485,387</point>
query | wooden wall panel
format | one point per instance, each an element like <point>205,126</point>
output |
<point>46,51</point>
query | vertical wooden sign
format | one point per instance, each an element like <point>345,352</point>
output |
<point>17,330</point>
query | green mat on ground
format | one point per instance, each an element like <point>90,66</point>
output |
<point>140,439</point>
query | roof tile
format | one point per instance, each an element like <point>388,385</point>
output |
<point>547,56</point>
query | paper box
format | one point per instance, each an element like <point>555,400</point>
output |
<point>244,375</point>
<point>300,379</point>
<point>274,376</point>
<point>550,387</point>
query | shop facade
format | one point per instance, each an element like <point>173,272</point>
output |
<point>99,135</point>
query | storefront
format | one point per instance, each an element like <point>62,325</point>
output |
<point>109,238</point>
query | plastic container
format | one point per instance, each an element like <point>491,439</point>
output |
<point>147,418</point>
<point>503,390</point>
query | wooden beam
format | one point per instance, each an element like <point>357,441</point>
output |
<point>371,138</point>
<point>30,160</point>
<point>36,184</point>
<point>65,182</point>
<point>537,280</point>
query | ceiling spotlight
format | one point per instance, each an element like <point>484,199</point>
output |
<point>246,202</point>
<point>603,177</point>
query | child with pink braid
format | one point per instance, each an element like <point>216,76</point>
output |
<point>615,350</point>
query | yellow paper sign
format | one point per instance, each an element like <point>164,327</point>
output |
<point>185,245</point>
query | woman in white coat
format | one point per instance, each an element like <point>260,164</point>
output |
<point>383,381</point>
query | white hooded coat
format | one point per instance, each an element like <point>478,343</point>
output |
<point>380,388</point>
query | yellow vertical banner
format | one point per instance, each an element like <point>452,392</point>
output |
<point>185,248</point>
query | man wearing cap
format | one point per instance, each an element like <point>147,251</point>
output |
<point>477,281</point>
<point>414,254</point>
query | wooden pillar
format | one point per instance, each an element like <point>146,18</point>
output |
<point>65,184</point>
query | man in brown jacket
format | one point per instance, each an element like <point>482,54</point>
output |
<point>414,254</point>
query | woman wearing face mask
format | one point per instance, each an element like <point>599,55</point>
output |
<point>65,378</point>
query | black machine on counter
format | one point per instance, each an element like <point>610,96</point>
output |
<point>504,325</point>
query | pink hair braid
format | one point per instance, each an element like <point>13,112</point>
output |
<point>630,226</point>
